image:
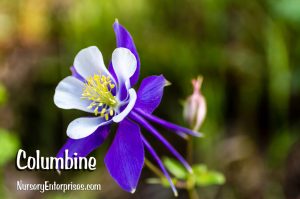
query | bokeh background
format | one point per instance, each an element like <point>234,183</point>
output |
<point>247,51</point>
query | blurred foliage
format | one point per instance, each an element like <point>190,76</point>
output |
<point>3,95</point>
<point>287,9</point>
<point>280,145</point>
<point>175,168</point>
<point>205,177</point>
<point>9,145</point>
<point>201,176</point>
<point>9,142</point>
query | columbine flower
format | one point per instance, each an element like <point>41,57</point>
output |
<point>195,106</point>
<point>109,96</point>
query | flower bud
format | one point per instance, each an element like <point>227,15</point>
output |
<point>195,106</point>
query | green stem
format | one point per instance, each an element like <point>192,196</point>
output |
<point>193,193</point>
<point>153,168</point>
<point>190,150</point>
<point>2,190</point>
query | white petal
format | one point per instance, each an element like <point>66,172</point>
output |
<point>124,63</point>
<point>129,107</point>
<point>84,126</point>
<point>68,95</point>
<point>89,61</point>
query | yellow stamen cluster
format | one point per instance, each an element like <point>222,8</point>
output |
<point>98,90</point>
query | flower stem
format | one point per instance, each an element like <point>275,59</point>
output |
<point>192,191</point>
<point>160,164</point>
<point>190,150</point>
<point>193,194</point>
<point>153,168</point>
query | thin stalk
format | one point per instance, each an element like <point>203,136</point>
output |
<point>153,168</point>
<point>190,150</point>
<point>193,193</point>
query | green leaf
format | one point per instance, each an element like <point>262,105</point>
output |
<point>199,169</point>
<point>210,178</point>
<point>9,144</point>
<point>175,168</point>
<point>3,94</point>
<point>166,183</point>
<point>205,177</point>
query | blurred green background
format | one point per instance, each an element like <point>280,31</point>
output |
<point>247,51</point>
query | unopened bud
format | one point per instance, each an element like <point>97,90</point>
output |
<point>195,106</point>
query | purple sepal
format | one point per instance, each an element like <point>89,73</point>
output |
<point>150,93</point>
<point>125,157</point>
<point>76,74</point>
<point>125,40</point>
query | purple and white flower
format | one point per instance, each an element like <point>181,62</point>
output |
<point>109,95</point>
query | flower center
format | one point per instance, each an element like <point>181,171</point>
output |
<point>98,90</point>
